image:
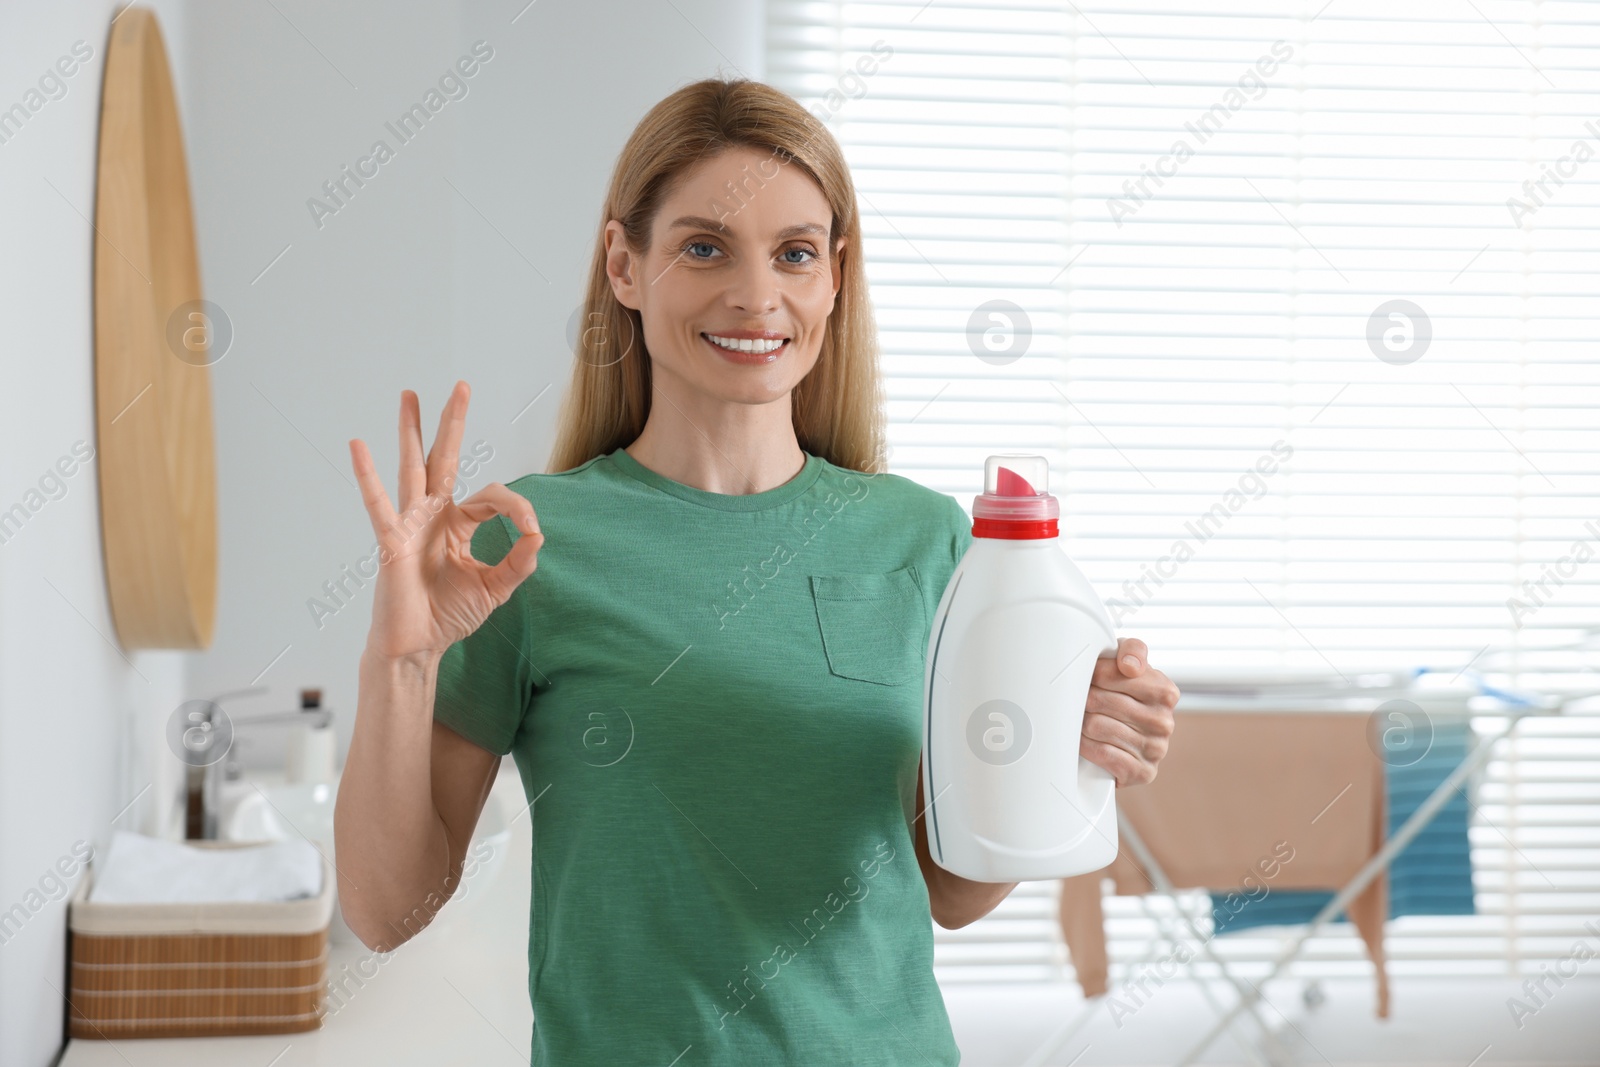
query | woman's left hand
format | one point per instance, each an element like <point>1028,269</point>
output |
<point>1128,719</point>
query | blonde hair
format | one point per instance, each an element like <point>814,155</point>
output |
<point>838,407</point>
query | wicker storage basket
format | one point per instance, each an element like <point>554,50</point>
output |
<point>191,970</point>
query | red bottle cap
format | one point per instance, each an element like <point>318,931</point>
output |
<point>1014,503</point>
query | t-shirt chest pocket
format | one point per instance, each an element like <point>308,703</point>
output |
<point>873,624</point>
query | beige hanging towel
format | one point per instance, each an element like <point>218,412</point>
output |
<point>1249,802</point>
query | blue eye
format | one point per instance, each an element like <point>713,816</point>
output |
<point>692,244</point>
<point>807,251</point>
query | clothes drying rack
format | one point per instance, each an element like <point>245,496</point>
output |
<point>1319,692</point>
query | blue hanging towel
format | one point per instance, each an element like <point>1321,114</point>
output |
<point>1430,876</point>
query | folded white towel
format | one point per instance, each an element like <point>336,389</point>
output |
<point>150,870</point>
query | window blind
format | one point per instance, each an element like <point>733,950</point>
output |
<point>1299,300</point>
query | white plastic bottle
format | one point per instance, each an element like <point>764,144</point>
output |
<point>1010,656</point>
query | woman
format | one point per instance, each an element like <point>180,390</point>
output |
<point>712,687</point>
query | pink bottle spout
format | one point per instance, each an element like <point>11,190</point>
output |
<point>1010,483</point>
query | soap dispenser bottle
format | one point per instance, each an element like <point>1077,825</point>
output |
<point>1010,656</point>
<point>311,750</point>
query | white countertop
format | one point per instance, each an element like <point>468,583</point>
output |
<point>456,994</point>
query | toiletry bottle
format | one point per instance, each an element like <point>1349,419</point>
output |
<point>310,756</point>
<point>1010,656</point>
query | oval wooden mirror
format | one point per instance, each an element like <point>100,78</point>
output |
<point>153,350</point>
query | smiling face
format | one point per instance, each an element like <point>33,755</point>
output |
<point>750,271</point>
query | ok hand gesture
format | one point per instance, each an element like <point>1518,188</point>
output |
<point>431,591</point>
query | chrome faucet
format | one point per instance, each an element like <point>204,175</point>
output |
<point>208,744</point>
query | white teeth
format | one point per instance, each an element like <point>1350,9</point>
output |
<point>740,345</point>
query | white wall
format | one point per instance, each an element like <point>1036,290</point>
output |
<point>411,284</point>
<point>80,723</point>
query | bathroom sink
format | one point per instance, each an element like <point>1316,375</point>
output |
<point>263,809</point>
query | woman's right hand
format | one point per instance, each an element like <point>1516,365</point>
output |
<point>431,591</point>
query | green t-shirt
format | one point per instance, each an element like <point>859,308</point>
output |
<point>715,705</point>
